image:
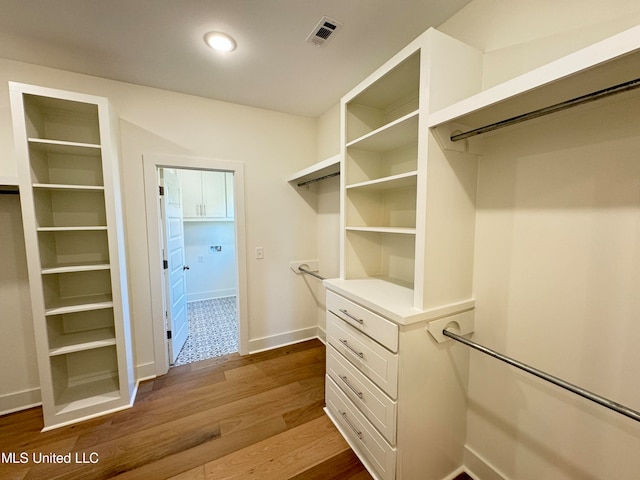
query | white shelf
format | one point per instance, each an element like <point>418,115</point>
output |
<point>400,132</point>
<point>392,230</point>
<point>85,267</point>
<point>318,170</point>
<point>73,229</point>
<point>63,147</point>
<point>402,180</point>
<point>61,187</point>
<point>604,64</point>
<point>80,341</point>
<point>89,394</point>
<point>80,304</point>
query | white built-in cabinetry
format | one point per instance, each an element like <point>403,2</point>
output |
<point>408,199</point>
<point>207,195</point>
<point>407,224</point>
<point>67,154</point>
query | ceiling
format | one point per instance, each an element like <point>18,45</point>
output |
<point>159,43</point>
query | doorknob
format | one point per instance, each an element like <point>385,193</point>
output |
<point>185,267</point>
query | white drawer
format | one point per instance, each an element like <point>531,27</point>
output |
<point>380,329</point>
<point>360,434</point>
<point>379,409</point>
<point>375,361</point>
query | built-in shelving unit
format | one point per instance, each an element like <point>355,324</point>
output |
<point>407,227</point>
<point>69,182</point>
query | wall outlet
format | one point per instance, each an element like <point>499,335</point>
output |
<point>259,253</point>
<point>200,259</point>
<point>215,248</point>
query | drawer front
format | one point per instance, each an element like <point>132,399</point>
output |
<point>371,358</point>
<point>380,329</point>
<point>379,409</point>
<point>362,436</point>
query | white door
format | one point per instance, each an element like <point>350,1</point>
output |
<point>174,267</point>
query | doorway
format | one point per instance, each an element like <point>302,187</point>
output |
<point>209,265</point>
<point>196,257</point>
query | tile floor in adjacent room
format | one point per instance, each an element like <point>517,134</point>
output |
<point>213,330</point>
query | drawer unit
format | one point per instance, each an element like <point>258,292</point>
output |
<point>375,361</point>
<point>374,404</point>
<point>380,329</point>
<point>361,435</point>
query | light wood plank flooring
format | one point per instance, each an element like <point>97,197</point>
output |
<point>231,417</point>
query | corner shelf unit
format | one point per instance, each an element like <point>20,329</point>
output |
<point>69,185</point>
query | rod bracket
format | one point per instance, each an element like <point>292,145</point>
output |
<point>462,323</point>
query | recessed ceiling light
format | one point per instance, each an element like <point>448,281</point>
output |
<point>220,41</point>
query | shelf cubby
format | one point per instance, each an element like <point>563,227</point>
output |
<point>75,290</point>
<point>64,207</point>
<point>383,254</point>
<point>74,332</point>
<point>389,203</point>
<point>60,119</point>
<point>397,134</point>
<point>391,97</point>
<point>365,165</point>
<point>84,378</point>
<point>65,163</point>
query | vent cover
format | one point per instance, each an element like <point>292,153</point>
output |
<point>323,31</point>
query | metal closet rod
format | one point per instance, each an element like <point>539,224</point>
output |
<point>309,272</point>
<point>313,180</point>
<point>605,402</point>
<point>574,102</point>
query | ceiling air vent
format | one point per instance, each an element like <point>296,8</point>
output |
<point>323,31</point>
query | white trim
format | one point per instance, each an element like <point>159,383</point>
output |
<point>282,339</point>
<point>16,401</point>
<point>478,467</point>
<point>151,163</point>
<point>146,371</point>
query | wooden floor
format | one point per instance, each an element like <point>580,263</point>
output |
<point>233,417</point>
<point>256,417</point>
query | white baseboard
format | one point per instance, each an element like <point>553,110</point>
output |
<point>146,371</point>
<point>16,401</point>
<point>478,467</point>
<point>198,296</point>
<point>282,339</point>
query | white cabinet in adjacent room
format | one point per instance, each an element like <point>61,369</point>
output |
<point>205,195</point>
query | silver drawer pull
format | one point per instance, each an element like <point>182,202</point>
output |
<point>356,319</point>
<point>351,387</point>
<point>355,430</point>
<point>346,344</point>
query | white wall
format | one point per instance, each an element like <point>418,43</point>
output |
<point>271,145</point>
<point>210,274</point>
<point>557,250</point>
<point>19,384</point>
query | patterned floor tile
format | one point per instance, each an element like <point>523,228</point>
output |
<point>213,330</point>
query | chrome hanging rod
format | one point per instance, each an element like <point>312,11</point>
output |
<point>590,97</point>
<point>605,402</point>
<point>309,272</point>
<point>313,180</point>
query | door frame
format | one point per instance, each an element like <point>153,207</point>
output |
<point>151,164</point>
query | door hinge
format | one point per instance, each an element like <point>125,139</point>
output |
<point>168,334</point>
<point>161,188</point>
<point>165,264</point>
